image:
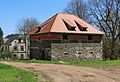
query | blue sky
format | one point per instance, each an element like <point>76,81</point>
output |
<point>11,11</point>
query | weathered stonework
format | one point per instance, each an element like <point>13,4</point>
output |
<point>76,51</point>
<point>48,50</point>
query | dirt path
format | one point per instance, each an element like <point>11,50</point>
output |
<point>67,73</point>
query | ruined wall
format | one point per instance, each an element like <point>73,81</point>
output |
<point>76,51</point>
<point>39,50</point>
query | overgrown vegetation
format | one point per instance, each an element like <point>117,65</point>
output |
<point>12,74</point>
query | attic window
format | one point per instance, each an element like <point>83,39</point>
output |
<point>85,29</point>
<point>81,27</point>
<point>72,28</point>
<point>69,27</point>
<point>38,30</point>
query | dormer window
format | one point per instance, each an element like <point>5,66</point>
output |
<point>69,26</point>
<point>85,29</point>
<point>82,28</point>
<point>72,28</point>
<point>38,30</point>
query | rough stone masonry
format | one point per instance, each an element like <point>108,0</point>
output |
<point>76,51</point>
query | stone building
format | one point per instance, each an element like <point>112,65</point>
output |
<point>14,45</point>
<point>65,37</point>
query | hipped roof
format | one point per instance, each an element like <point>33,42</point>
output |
<point>56,24</point>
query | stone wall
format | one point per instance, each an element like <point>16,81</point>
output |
<point>76,51</point>
<point>40,50</point>
<point>57,50</point>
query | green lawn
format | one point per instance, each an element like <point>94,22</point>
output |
<point>12,74</point>
<point>80,63</point>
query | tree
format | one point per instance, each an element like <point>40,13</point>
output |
<point>1,37</point>
<point>79,8</point>
<point>26,25</point>
<point>106,15</point>
<point>1,43</point>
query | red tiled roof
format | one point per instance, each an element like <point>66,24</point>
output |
<point>57,24</point>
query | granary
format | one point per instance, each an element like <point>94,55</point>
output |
<point>65,37</point>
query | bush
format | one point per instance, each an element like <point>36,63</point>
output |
<point>4,56</point>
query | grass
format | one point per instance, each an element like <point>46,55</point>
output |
<point>96,63</point>
<point>80,63</point>
<point>12,74</point>
<point>39,61</point>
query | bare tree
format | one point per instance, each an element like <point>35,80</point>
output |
<point>79,8</point>
<point>26,25</point>
<point>106,15</point>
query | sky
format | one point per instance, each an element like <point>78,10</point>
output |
<point>12,11</point>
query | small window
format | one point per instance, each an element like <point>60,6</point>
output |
<point>22,48</point>
<point>79,52</point>
<point>19,40</point>
<point>89,37</point>
<point>91,52</point>
<point>65,36</point>
<point>22,56</point>
<point>15,48</point>
<point>39,38</point>
<point>10,44</point>
<point>65,53</point>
